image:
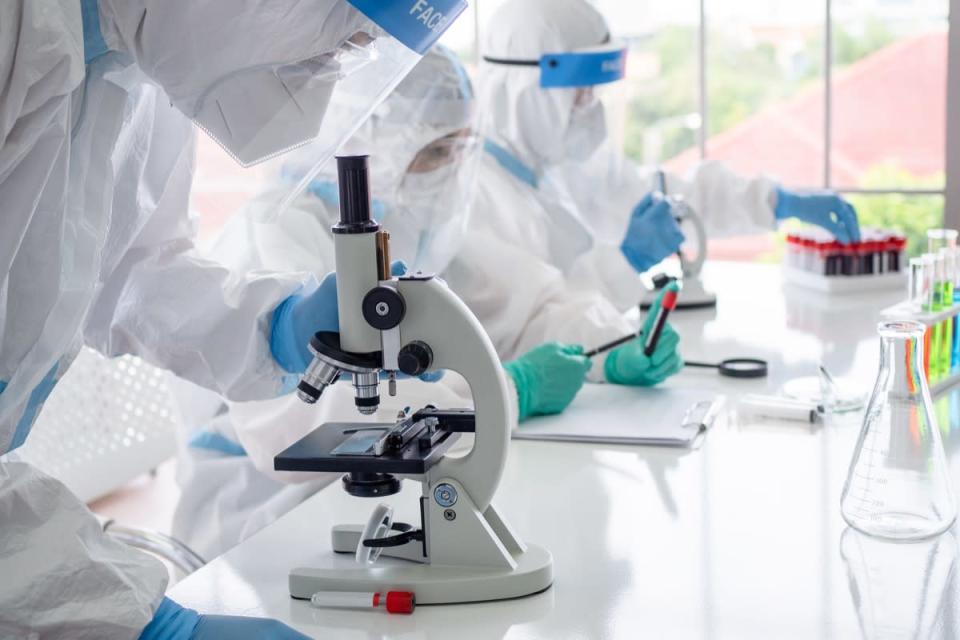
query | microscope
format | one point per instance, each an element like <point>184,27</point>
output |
<point>693,295</point>
<point>462,550</point>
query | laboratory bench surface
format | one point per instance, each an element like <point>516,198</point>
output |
<point>741,538</point>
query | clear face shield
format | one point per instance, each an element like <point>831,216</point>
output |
<point>362,50</point>
<point>424,151</point>
<point>431,212</point>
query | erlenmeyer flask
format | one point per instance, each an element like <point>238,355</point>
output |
<point>898,485</point>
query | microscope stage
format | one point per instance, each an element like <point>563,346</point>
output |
<point>314,452</point>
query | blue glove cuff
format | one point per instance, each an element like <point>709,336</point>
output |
<point>784,204</point>
<point>171,622</point>
<point>293,358</point>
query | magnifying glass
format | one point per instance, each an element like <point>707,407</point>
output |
<point>735,367</point>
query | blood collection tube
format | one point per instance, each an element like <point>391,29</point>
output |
<point>392,601</point>
<point>667,305</point>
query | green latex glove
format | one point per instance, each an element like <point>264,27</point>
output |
<point>548,377</point>
<point>628,365</point>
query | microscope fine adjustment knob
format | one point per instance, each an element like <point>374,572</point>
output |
<point>415,358</point>
<point>445,495</point>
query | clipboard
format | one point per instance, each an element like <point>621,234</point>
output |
<point>613,414</point>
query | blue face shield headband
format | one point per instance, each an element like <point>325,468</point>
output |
<point>573,69</point>
<point>418,24</point>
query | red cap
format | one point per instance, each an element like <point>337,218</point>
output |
<point>400,602</point>
<point>669,300</point>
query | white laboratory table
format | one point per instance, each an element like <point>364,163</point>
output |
<point>741,538</point>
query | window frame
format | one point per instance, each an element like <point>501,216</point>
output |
<point>951,188</point>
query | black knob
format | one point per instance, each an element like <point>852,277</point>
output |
<point>415,358</point>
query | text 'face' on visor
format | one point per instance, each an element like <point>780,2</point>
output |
<point>582,68</point>
<point>418,24</point>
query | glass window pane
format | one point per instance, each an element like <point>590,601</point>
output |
<point>889,93</point>
<point>912,215</point>
<point>765,88</point>
<point>653,114</point>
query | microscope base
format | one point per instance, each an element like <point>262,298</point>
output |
<point>433,584</point>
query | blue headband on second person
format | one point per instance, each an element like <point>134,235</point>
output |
<point>575,68</point>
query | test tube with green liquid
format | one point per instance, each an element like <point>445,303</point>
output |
<point>936,338</point>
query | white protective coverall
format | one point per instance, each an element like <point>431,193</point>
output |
<point>96,249</point>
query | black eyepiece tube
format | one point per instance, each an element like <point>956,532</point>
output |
<point>353,176</point>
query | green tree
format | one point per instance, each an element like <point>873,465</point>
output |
<point>744,77</point>
<point>911,215</point>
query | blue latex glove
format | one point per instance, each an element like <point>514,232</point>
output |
<point>652,234</point>
<point>173,622</point>
<point>827,210</point>
<point>302,315</point>
<point>628,365</point>
<point>548,377</point>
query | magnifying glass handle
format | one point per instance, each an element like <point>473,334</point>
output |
<point>702,365</point>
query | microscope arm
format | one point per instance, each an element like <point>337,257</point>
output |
<point>439,318</point>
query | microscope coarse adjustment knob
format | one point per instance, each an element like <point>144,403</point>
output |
<point>415,358</point>
<point>383,308</point>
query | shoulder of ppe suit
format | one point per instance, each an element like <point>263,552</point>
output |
<point>527,29</point>
<point>41,60</point>
<point>69,564</point>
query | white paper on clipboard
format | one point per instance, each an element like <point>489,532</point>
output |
<point>614,414</point>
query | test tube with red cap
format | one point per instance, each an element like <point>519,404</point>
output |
<point>392,601</point>
<point>879,252</point>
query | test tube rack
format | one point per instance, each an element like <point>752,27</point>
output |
<point>815,260</point>
<point>941,342</point>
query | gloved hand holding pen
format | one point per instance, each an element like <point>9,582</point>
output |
<point>628,364</point>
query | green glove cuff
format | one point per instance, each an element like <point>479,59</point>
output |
<point>520,380</point>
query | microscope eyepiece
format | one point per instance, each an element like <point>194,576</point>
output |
<point>353,178</point>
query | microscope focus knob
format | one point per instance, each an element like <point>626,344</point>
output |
<point>415,358</point>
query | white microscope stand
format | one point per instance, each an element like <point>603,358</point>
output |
<point>471,552</point>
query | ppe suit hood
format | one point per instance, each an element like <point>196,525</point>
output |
<point>529,121</point>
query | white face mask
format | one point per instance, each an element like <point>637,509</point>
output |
<point>257,114</point>
<point>586,132</point>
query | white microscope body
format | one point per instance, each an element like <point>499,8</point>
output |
<point>463,550</point>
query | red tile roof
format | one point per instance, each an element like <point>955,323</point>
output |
<point>889,106</point>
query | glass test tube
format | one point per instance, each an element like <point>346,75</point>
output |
<point>937,369</point>
<point>941,239</point>
<point>946,338</point>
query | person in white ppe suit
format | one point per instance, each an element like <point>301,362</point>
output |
<point>551,211</point>
<point>422,175</point>
<point>96,157</point>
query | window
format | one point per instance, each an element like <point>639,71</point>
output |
<point>840,94</point>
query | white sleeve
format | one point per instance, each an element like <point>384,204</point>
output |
<point>162,301</point>
<point>610,185</point>
<point>728,204</point>
<point>523,302</point>
<point>64,578</point>
<point>605,270</point>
